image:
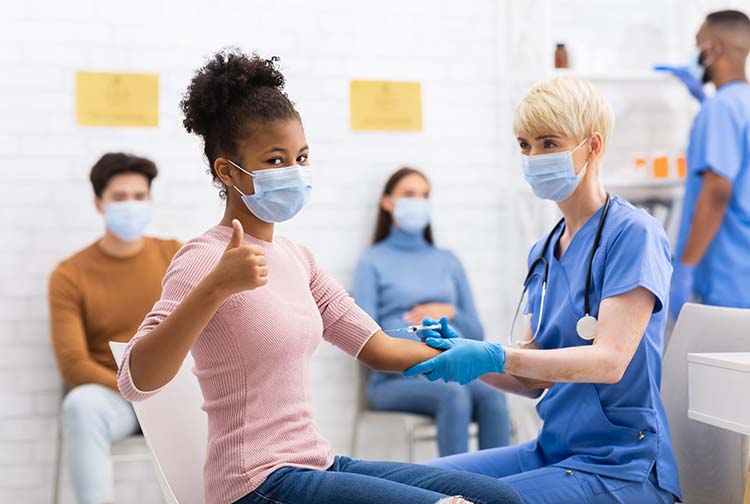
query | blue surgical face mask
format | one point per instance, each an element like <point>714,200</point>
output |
<point>412,214</point>
<point>553,176</point>
<point>280,193</point>
<point>128,219</point>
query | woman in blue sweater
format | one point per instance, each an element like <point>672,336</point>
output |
<point>404,278</point>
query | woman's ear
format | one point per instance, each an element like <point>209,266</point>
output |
<point>223,170</point>
<point>597,145</point>
<point>387,203</point>
<point>99,205</point>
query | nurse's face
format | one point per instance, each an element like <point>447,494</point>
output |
<point>411,186</point>
<point>549,142</point>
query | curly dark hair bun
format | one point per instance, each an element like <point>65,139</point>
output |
<point>229,95</point>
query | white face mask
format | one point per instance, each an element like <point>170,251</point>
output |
<point>553,176</point>
<point>127,219</point>
<point>412,214</point>
<point>280,193</point>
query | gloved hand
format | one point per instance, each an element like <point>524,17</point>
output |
<point>683,278</point>
<point>446,331</point>
<point>683,73</point>
<point>464,360</point>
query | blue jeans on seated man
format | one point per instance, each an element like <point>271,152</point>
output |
<point>93,417</point>
<point>452,405</point>
<point>350,481</point>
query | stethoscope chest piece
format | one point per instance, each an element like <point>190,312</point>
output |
<point>586,327</point>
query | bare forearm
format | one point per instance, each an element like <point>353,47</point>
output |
<point>385,353</point>
<point>583,364</point>
<point>709,214</point>
<point>158,355</point>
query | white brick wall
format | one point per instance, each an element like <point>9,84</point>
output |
<point>471,57</point>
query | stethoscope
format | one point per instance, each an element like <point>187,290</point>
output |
<point>586,325</point>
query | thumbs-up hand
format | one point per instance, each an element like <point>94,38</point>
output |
<point>242,267</point>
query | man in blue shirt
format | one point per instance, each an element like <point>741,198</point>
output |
<point>712,257</point>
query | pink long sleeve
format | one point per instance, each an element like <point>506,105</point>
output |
<point>252,361</point>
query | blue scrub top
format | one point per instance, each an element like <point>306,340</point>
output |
<point>720,141</point>
<point>617,430</point>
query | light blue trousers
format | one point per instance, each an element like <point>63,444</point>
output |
<point>93,417</point>
<point>555,485</point>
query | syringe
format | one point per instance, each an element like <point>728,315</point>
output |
<point>414,328</point>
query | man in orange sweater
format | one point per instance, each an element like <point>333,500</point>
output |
<point>101,294</point>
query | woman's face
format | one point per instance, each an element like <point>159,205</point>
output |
<point>277,144</point>
<point>411,186</point>
<point>547,143</point>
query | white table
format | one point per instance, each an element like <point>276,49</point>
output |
<point>718,385</point>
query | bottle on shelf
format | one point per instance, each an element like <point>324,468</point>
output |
<point>561,56</point>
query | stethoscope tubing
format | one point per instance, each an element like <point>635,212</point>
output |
<point>542,259</point>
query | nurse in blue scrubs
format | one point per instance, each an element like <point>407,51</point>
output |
<point>712,257</point>
<point>589,327</point>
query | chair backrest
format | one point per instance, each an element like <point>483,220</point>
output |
<point>363,378</point>
<point>710,458</point>
<point>176,431</point>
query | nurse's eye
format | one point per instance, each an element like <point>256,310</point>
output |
<point>524,145</point>
<point>277,161</point>
<point>549,144</point>
<point>302,159</point>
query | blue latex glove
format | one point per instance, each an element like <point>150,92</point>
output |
<point>683,73</point>
<point>464,360</point>
<point>446,331</point>
<point>683,278</point>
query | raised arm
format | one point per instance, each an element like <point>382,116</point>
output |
<point>155,355</point>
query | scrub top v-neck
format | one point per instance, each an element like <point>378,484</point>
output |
<point>617,430</point>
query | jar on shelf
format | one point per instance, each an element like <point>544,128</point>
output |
<point>561,56</point>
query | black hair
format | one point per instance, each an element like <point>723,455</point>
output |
<point>228,96</point>
<point>385,219</point>
<point>729,17</point>
<point>116,163</point>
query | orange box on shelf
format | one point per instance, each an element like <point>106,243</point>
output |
<point>661,167</point>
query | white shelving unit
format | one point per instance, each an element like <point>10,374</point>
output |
<point>653,110</point>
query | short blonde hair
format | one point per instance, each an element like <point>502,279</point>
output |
<point>567,106</point>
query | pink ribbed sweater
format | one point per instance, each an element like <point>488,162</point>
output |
<point>252,360</point>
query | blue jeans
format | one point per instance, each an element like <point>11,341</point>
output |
<point>452,405</point>
<point>552,484</point>
<point>350,481</point>
<point>93,416</point>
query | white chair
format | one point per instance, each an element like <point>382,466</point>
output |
<point>176,431</point>
<point>710,459</point>
<point>381,435</point>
